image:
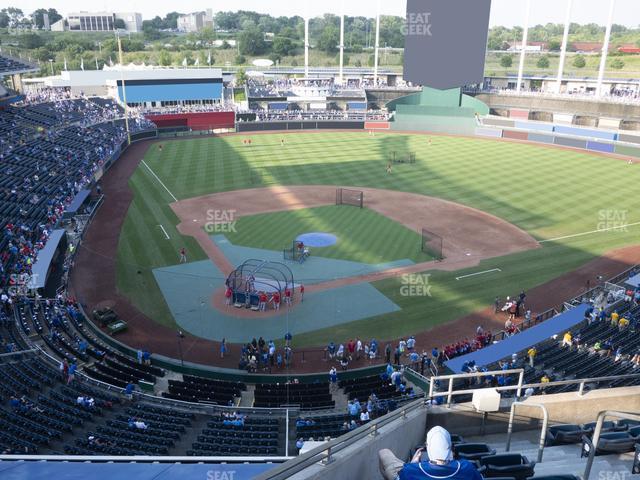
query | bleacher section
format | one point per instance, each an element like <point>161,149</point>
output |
<point>306,395</point>
<point>12,66</point>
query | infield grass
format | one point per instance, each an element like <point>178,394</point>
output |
<point>363,235</point>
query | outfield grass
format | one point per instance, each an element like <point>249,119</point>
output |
<point>363,235</point>
<point>548,192</point>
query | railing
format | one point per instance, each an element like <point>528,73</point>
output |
<point>581,382</point>
<point>543,433</point>
<point>142,459</point>
<point>324,453</point>
<point>596,435</point>
<point>450,393</point>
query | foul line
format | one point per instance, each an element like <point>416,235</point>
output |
<point>163,185</point>
<point>165,232</point>
<point>599,230</point>
<point>479,273</point>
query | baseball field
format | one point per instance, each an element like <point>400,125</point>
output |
<point>578,206</point>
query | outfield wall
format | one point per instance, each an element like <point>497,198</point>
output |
<point>194,120</point>
<point>299,125</point>
<point>590,139</point>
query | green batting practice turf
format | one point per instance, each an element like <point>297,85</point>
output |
<point>567,199</point>
<point>363,235</point>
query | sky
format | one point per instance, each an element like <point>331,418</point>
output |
<point>503,12</point>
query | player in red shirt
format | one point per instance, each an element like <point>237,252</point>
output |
<point>302,293</point>
<point>263,302</point>
<point>276,300</point>
<point>287,296</point>
<point>228,295</point>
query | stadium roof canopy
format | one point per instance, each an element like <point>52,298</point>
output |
<point>13,66</point>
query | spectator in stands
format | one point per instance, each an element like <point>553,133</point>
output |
<point>331,350</point>
<point>440,463</point>
<point>299,444</point>
<point>72,372</point>
<point>545,379</point>
<point>531,353</point>
<point>333,378</point>
<point>387,353</point>
<point>566,340</point>
<point>128,390</point>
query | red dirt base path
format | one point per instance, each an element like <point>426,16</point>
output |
<point>93,280</point>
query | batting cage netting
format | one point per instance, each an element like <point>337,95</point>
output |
<point>345,196</point>
<point>432,244</point>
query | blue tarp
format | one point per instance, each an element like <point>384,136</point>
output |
<point>45,256</point>
<point>77,202</point>
<point>21,470</point>
<point>633,281</point>
<point>557,325</point>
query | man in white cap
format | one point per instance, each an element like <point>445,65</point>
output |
<point>440,464</point>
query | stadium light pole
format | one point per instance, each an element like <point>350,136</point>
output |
<point>605,49</point>
<point>563,49</point>
<point>124,90</point>
<point>523,46</point>
<point>306,46</point>
<point>377,46</point>
<point>342,44</point>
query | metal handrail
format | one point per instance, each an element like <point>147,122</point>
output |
<point>543,433</point>
<point>143,459</point>
<point>450,393</point>
<point>577,381</point>
<point>596,434</point>
<point>324,453</point>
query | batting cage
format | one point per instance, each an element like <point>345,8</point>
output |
<point>256,276</point>
<point>402,157</point>
<point>432,244</point>
<point>344,196</point>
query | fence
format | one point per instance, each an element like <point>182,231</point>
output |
<point>432,244</point>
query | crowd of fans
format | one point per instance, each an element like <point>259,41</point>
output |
<point>49,151</point>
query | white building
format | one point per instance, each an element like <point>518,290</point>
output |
<point>98,22</point>
<point>196,21</point>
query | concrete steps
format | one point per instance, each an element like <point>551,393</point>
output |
<point>247,397</point>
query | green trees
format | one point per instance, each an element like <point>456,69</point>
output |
<point>579,61</point>
<point>251,41</point>
<point>617,63</point>
<point>329,39</point>
<point>543,62</point>
<point>506,61</point>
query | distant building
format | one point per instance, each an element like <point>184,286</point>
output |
<point>196,21</point>
<point>98,22</point>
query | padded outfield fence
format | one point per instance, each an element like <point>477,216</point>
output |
<point>344,196</point>
<point>432,244</point>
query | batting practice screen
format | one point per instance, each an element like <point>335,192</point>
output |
<point>432,244</point>
<point>345,196</point>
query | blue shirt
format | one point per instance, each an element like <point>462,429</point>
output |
<point>455,470</point>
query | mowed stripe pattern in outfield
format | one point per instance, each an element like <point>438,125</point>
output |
<point>548,192</point>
